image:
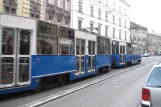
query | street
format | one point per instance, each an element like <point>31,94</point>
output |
<point>123,90</point>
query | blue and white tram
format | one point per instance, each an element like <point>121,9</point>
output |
<point>118,53</point>
<point>123,54</point>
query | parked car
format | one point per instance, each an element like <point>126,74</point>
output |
<point>151,91</point>
<point>146,55</point>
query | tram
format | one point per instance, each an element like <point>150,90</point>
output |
<point>36,54</point>
<point>124,54</point>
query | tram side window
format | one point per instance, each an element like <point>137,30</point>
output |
<point>117,47</point>
<point>47,39</point>
<point>129,48</point>
<point>136,50</point>
<point>66,41</point>
<point>132,50</point>
<point>100,45</point>
<point>123,47</point>
<point>113,48</point>
<point>103,45</point>
<point>107,46</point>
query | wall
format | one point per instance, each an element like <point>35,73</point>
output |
<point>1,5</point>
<point>23,8</point>
<point>153,43</point>
<point>139,37</point>
<point>55,12</point>
<point>87,19</point>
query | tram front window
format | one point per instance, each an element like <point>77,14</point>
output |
<point>8,41</point>
<point>100,45</point>
<point>24,42</point>
<point>107,46</point>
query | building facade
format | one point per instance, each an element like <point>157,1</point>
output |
<point>153,43</point>
<point>111,17</point>
<point>26,8</point>
<point>58,11</point>
<point>138,35</point>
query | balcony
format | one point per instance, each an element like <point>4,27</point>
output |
<point>57,15</point>
<point>10,6</point>
<point>35,8</point>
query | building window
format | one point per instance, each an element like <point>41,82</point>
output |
<point>91,27</point>
<point>125,35</point>
<point>80,7</point>
<point>10,10</point>
<point>51,2</point>
<point>99,29</point>
<point>13,11</point>
<point>37,1</point>
<point>106,31</point>
<point>91,8</point>
<point>125,12</point>
<point>119,34</point>
<point>120,9</point>
<point>119,21</point>
<point>100,1</point>
<point>99,13</point>
<point>59,21</point>
<point>37,17</point>
<point>114,32</point>
<point>113,6</point>
<point>113,19</point>
<point>60,3</point>
<point>79,24</point>
<point>7,10</point>
<point>106,2</point>
<point>125,23</point>
<point>106,16</point>
<point>34,16</point>
<point>67,5</point>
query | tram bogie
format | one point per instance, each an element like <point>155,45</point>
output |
<point>36,55</point>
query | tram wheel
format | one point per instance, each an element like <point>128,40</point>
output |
<point>61,79</point>
<point>40,86</point>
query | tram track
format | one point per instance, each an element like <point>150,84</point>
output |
<point>75,89</point>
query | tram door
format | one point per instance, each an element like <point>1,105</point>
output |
<point>122,54</point>
<point>80,56</point>
<point>15,57</point>
<point>91,56</point>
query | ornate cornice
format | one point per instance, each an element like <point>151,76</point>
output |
<point>35,7</point>
<point>10,3</point>
<point>53,11</point>
<point>123,1</point>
